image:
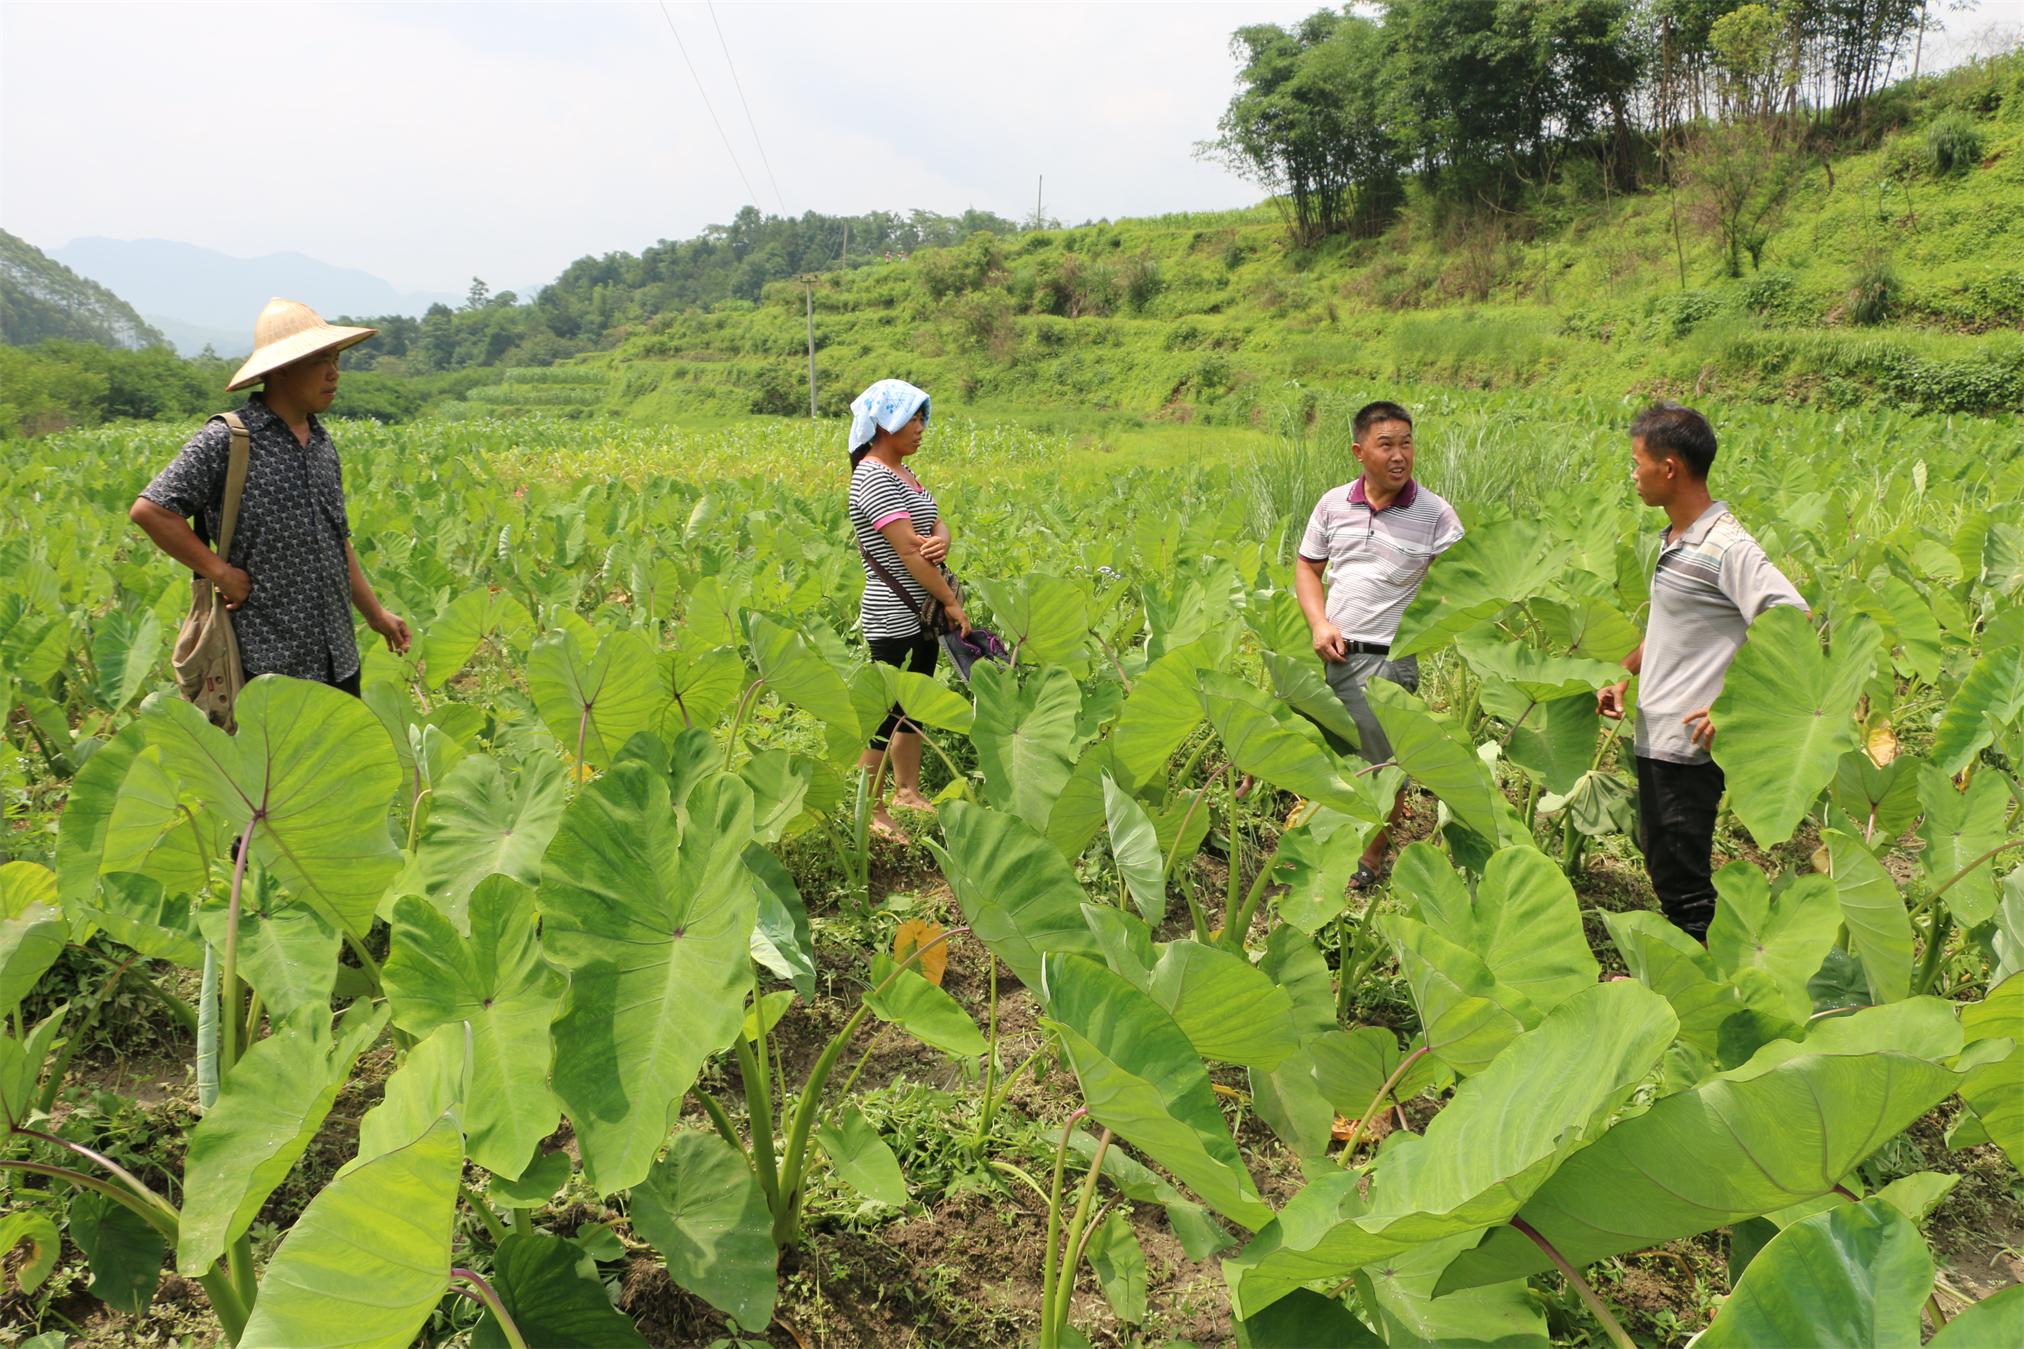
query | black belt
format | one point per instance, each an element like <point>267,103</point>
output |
<point>1366,648</point>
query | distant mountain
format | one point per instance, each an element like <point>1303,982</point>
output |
<point>199,296</point>
<point>40,298</point>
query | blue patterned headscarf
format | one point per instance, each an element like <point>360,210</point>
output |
<point>887,405</point>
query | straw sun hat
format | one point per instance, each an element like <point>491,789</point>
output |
<point>288,331</point>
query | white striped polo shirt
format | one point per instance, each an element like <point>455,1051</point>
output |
<point>1708,586</point>
<point>1376,558</point>
<point>879,496</point>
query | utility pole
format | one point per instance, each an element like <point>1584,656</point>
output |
<point>1038,218</point>
<point>808,284</point>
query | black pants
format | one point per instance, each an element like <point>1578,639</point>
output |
<point>916,653</point>
<point>1676,828</point>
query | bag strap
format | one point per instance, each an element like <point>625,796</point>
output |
<point>912,605</point>
<point>235,480</point>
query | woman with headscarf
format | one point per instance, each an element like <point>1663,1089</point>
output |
<point>902,539</point>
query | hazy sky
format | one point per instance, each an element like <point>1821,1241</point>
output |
<point>428,143</point>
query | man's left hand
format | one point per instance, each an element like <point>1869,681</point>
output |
<point>1703,733</point>
<point>391,626</point>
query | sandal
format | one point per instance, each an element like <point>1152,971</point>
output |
<point>1364,879</point>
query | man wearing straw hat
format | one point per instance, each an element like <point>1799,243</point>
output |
<point>292,578</point>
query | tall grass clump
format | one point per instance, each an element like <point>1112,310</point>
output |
<point>1312,454</point>
<point>1953,144</point>
<point>1874,296</point>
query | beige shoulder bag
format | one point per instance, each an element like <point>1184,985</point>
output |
<point>206,658</point>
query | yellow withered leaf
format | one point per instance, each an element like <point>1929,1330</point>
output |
<point>915,935</point>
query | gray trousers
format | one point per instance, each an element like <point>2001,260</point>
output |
<point>1347,678</point>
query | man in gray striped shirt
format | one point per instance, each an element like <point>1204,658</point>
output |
<point>1710,582</point>
<point>1367,547</point>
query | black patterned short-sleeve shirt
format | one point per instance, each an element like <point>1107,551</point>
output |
<point>290,539</point>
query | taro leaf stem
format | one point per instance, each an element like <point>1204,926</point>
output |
<point>787,1216</point>
<point>1377,1101</point>
<point>1071,1242</point>
<point>228,983</point>
<point>984,1108</point>
<point>487,1295</point>
<point>1050,1338</point>
<point>482,1210</point>
<point>1610,1326</point>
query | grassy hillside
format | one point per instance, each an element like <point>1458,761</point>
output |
<point>40,299</point>
<point>1883,277</point>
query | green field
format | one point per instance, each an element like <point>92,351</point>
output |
<point>565,960</point>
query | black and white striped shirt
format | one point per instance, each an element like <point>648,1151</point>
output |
<point>879,496</point>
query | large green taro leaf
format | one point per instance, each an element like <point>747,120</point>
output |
<point>287,952</point>
<point>453,638</point>
<point>125,813</point>
<point>1988,700</point>
<point>1435,756</point>
<point>1556,742</point>
<point>655,933</point>
<point>314,766</point>
<point>1229,1009</point>
<point>124,652</point>
<point>1493,565</point>
<point>703,1211</point>
<point>1467,1015</point>
<point>1679,969</point>
<point>1508,1315</point>
<point>1495,1144</point>
<point>495,982</point>
<point>1298,682</point>
<point>268,1109</point>
<point>1855,1275</point>
<point>33,932</point>
<point>370,1257</point>
<point>1962,830</point>
<point>798,675</point>
<point>781,938</point>
<point>1018,894</point>
<point>1160,713</point>
<point>903,996</point>
<point>485,819</point>
<point>1523,920</point>
<point>1783,719</point>
<point>1044,618</point>
<point>1290,753</point>
<point>927,700</point>
<point>1784,935</point>
<point>1135,847</point>
<point>1025,737</point>
<point>1785,1127</point>
<point>703,684</point>
<point>595,703</point>
<point>1996,1319</point>
<point>1878,927</point>
<point>1541,676</point>
<point>1142,1079</point>
<point>433,1077</point>
<point>1994,1091</point>
<point>552,1302</point>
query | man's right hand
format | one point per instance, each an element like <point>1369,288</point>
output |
<point>1328,643</point>
<point>234,585</point>
<point>1609,700</point>
<point>958,620</point>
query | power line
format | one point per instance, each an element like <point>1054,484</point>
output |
<point>750,194</point>
<point>739,85</point>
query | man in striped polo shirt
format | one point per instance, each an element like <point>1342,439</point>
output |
<point>1367,548</point>
<point>1709,584</point>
